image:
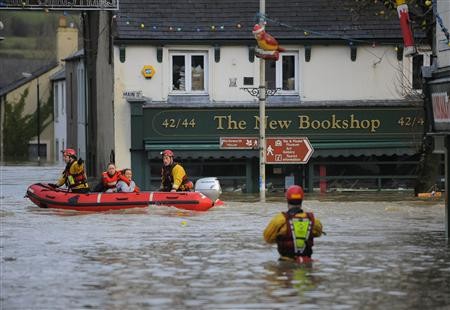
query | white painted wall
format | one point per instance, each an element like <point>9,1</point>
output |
<point>332,75</point>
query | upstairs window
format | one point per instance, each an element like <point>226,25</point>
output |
<point>189,72</point>
<point>283,74</point>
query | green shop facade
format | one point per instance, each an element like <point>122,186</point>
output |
<point>376,144</point>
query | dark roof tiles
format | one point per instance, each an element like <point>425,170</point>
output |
<point>233,20</point>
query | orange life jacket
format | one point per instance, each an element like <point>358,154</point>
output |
<point>106,179</point>
<point>127,181</point>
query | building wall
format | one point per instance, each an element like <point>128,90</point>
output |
<point>332,75</point>
<point>329,76</point>
<point>105,96</point>
<point>442,47</point>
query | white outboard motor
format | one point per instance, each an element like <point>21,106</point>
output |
<point>209,187</point>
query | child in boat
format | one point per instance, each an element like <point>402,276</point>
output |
<point>125,183</point>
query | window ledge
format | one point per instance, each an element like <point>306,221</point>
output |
<point>281,98</point>
<point>188,98</point>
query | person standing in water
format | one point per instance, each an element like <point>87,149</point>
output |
<point>294,231</point>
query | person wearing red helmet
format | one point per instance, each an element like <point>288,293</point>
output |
<point>74,175</point>
<point>173,175</point>
<point>294,231</point>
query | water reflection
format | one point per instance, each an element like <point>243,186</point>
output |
<point>290,279</point>
<point>380,252</point>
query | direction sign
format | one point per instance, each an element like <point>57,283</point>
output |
<point>247,143</point>
<point>288,150</point>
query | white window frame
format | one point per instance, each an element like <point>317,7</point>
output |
<point>188,72</point>
<point>279,74</point>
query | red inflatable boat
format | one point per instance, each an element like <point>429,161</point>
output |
<point>45,196</point>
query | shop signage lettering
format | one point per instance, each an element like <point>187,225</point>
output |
<point>226,122</point>
<point>355,123</point>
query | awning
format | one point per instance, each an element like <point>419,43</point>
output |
<point>211,150</point>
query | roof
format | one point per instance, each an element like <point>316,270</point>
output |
<point>77,55</point>
<point>17,83</point>
<point>289,20</point>
<point>60,75</point>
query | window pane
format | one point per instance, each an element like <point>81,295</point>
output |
<point>270,74</point>
<point>178,73</point>
<point>198,72</point>
<point>288,72</point>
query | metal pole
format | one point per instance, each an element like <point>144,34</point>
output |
<point>447,187</point>
<point>38,116</point>
<point>262,114</point>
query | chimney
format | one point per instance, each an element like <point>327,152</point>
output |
<point>66,40</point>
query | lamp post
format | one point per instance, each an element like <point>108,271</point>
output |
<point>38,116</point>
<point>262,114</point>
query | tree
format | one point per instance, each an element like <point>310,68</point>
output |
<point>18,129</point>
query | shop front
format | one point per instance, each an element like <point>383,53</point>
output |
<point>336,134</point>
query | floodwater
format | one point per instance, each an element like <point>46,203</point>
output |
<point>381,251</point>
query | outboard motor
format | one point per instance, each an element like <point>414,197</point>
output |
<point>209,187</point>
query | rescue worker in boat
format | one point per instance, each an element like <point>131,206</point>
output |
<point>74,175</point>
<point>125,182</point>
<point>294,231</point>
<point>173,175</point>
<point>109,179</point>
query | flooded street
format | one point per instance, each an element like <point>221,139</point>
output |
<point>381,251</point>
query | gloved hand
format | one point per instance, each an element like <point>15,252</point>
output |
<point>80,161</point>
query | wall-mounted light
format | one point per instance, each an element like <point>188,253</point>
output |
<point>307,53</point>
<point>122,53</point>
<point>399,50</point>
<point>216,53</point>
<point>251,53</point>
<point>159,54</point>
<point>353,50</point>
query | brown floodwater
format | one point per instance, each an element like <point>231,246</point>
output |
<point>383,250</point>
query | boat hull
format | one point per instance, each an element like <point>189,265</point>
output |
<point>45,196</point>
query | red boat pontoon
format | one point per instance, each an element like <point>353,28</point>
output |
<point>45,196</point>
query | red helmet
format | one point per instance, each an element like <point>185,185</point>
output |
<point>167,153</point>
<point>295,194</point>
<point>69,152</point>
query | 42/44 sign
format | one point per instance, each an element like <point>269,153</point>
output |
<point>178,123</point>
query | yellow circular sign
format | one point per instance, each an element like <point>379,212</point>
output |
<point>148,71</point>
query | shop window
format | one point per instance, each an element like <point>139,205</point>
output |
<point>283,74</point>
<point>189,72</point>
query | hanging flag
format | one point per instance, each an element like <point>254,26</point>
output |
<point>408,39</point>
